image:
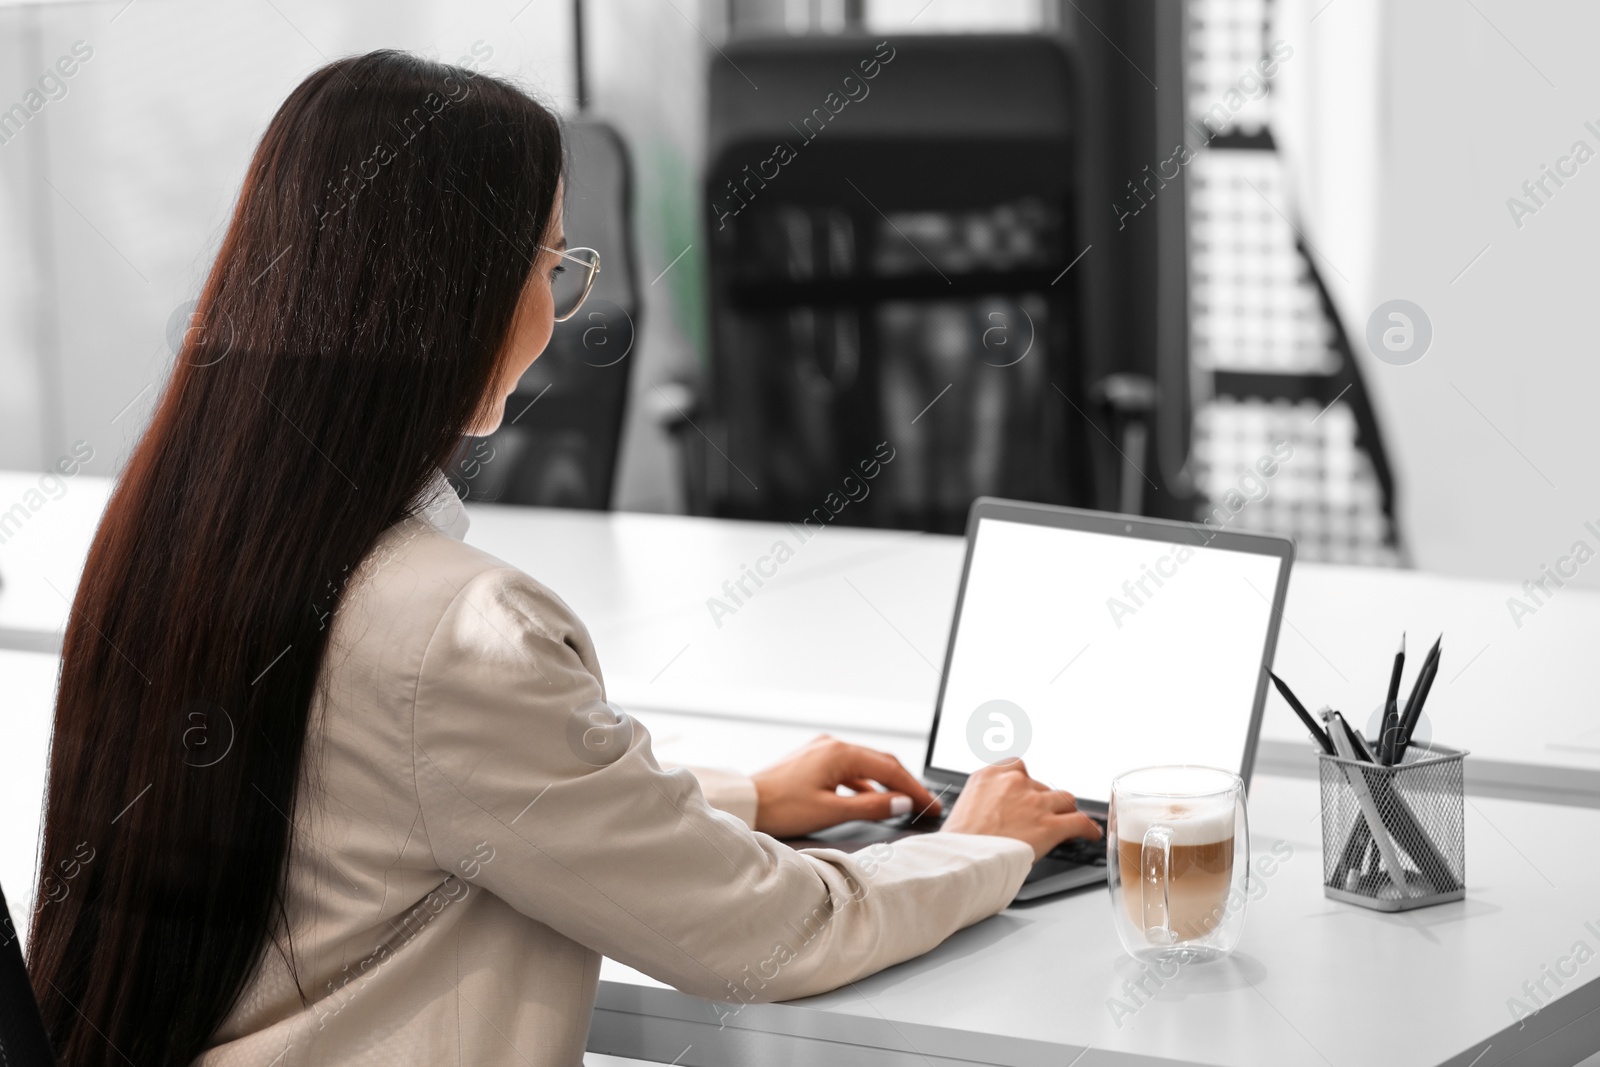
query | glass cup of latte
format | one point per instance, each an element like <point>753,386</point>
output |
<point>1178,862</point>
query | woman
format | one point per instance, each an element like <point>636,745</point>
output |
<point>326,783</point>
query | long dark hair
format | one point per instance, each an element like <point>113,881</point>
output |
<point>350,331</point>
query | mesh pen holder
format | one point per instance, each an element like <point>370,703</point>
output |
<point>1394,838</point>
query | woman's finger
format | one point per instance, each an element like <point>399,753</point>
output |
<point>1061,802</point>
<point>1078,824</point>
<point>875,806</point>
<point>888,771</point>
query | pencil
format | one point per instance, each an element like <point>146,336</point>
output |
<point>1419,696</point>
<point>1391,710</point>
<point>1317,732</point>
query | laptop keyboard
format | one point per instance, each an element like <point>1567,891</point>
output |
<point>1079,850</point>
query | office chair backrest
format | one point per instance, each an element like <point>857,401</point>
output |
<point>884,226</point>
<point>23,1042</point>
<point>558,444</point>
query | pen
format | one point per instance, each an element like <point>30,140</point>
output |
<point>1317,732</point>
<point>1360,750</point>
<point>1391,711</point>
<point>1390,807</point>
<point>1355,847</point>
<point>1401,821</point>
<point>1342,736</point>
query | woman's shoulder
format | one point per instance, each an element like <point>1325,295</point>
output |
<point>420,586</point>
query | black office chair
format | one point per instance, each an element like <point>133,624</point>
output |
<point>899,279</point>
<point>23,1042</point>
<point>558,443</point>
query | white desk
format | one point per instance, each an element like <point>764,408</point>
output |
<point>1032,985</point>
<point>851,631</point>
<point>848,636</point>
<point>26,698</point>
<point>41,555</point>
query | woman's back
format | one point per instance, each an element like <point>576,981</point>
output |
<point>459,847</point>
<point>394,939</point>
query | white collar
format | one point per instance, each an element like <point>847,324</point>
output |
<point>439,506</point>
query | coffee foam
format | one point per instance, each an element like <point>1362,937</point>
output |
<point>1192,820</point>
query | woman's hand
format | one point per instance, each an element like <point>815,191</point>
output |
<point>1001,800</point>
<point>799,795</point>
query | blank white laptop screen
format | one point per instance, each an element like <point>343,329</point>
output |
<point>1121,652</point>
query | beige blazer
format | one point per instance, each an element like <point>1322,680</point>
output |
<point>474,832</point>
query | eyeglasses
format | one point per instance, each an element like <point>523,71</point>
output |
<point>570,285</point>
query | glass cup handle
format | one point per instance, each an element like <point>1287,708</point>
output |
<point>1154,858</point>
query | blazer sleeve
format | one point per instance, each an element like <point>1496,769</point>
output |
<point>726,790</point>
<point>585,832</point>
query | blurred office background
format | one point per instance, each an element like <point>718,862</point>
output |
<point>994,256</point>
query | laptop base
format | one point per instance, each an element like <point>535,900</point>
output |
<point>1072,866</point>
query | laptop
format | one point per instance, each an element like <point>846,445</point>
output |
<point>1091,644</point>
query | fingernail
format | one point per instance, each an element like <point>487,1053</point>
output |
<point>900,806</point>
